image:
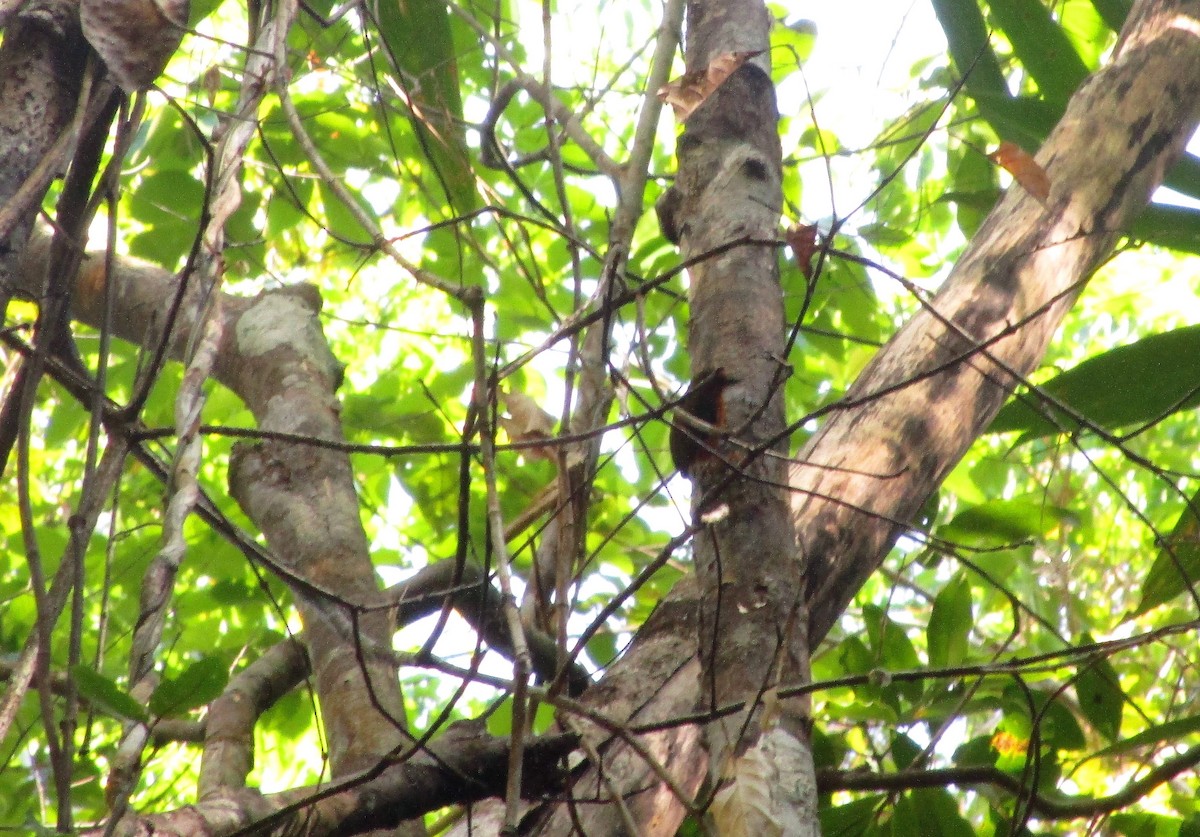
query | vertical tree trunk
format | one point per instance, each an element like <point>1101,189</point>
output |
<point>752,630</point>
<point>924,398</point>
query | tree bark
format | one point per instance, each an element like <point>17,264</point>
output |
<point>906,422</point>
<point>752,635</point>
<point>939,381</point>
<point>936,386</point>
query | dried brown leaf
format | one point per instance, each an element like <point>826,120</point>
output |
<point>803,241</point>
<point>135,38</point>
<point>689,91</point>
<point>527,422</point>
<point>1025,170</point>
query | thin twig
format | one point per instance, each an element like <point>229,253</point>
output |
<point>521,662</point>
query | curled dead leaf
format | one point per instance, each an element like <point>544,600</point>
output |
<point>527,422</point>
<point>1025,170</point>
<point>803,241</point>
<point>689,91</point>
<point>135,38</point>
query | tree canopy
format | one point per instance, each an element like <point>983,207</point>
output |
<point>368,374</point>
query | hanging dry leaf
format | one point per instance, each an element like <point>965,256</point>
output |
<point>741,806</point>
<point>689,91</point>
<point>527,422</point>
<point>211,83</point>
<point>803,241</point>
<point>135,38</point>
<point>1025,170</point>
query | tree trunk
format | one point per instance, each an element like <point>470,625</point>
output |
<point>752,627</point>
<point>939,381</point>
<point>882,450</point>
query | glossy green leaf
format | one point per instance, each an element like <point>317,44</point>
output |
<point>197,685</point>
<point>950,623</point>
<point>106,695</point>
<point>1140,383</point>
<point>1100,697</point>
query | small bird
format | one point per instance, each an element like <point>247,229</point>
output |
<point>704,401</point>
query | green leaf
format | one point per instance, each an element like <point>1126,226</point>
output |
<point>976,752</point>
<point>1114,12</point>
<point>829,749</point>
<point>1140,824</point>
<point>338,218</point>
<point>950,623</point>
<point>967,35</point>
<point>976,187</point>
<point>1042,46</point>
<point>1177,565</point>
<point>428,73</point>
<point>1172,731</point>
<point>106,695</point>
<point>1057,726</point>
<point>1099,693</point>
<point>934,813</point>
<point>904,751</point>
<point>1003,522</point>
<point>1176,227</point>
<point>167,202</point>
<point>200,683</point>
<point>851,819</point>
<point>1142,382</point>
<point>1088,32</point>
<point>790,47</point>
<point>890,644</point>
<point>1025,120</point>
<point>499,723</point>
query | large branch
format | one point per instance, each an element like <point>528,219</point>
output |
<point>936,386</point>
<point>463,765</point>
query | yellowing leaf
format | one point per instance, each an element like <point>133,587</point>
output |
<point>689,91</point>
<point>1025,170</point>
